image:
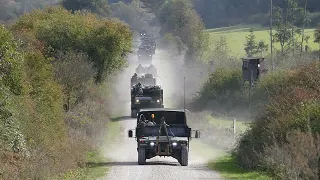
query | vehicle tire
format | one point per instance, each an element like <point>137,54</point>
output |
<point>184,156</point>
<point>141,156</point>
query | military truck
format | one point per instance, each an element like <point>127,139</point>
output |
<point>149,42</point>
<point>141,70</point>
<point>143,96</point>
<point>146,79</point>
<point>145,53</point>
<point>163,132</point>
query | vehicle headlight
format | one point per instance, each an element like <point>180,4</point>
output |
<point>150,55</point>
<point>158,100</point>
<point>174,144</point>
<point>137,101</point>
<point>152,144</point>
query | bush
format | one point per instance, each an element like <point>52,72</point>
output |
<point>293,108</point>
<point>55,59</point>
<point>223,92</point>
<point>105,42</point>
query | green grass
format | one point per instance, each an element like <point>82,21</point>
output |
<point>222,162</point>
<point>236,37</point>
<point>229,170</point>
<point>91,171</point>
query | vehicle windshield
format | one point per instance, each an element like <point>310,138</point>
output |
<point>151,93</point>
<point>181,131</point>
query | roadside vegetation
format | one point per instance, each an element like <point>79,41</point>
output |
<point>55,73</point>
<point>283,138</point>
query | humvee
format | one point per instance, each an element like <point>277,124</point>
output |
<point>145,53</point>
<point>149,97</point>
<point>163,132</point>
<point>149,42</point>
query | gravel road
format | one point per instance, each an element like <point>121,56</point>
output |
<point>123,153</point>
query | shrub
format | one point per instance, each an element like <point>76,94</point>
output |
<point>222,92</point>
<point>293,107</point>
<point>106,42</point>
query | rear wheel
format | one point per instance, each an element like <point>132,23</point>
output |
<point>141,156</point>
<point>184,158</point>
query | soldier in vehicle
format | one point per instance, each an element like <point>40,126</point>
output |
<point>142,121</point>
<point>151,121</point>
<point>140,91</point>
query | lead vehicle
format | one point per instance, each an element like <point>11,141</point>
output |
<point>163,132</point>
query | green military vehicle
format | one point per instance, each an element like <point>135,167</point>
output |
<point>163,132</point>
<point>145,96</point>
<point>146,79</point>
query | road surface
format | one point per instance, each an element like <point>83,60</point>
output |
<point>123,153</point>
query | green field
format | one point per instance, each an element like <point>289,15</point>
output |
<point>236,37</point>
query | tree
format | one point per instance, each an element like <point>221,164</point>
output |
<point>282,27</point>
<point>96,6</point>
<point>153,5</point>
<point>262,47</point>
<point>250,45</point>
<point>180,19</point>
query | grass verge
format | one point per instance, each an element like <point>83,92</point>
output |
<point>228,169</point>
<point>236,37</point>
<point>95,167</point>
<point>223,123</point>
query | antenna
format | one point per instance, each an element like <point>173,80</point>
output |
<point>184,93</point>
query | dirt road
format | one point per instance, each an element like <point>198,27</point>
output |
<point>123,153</point>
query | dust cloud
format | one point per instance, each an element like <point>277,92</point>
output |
<point>171,73</point>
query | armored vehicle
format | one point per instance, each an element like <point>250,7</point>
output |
<point>141,70</point>
<point>149,42</point>
<point>143,96</point>
<point>145,53</point>
<point>146,79</point>
<point>163,132</point>
<point>143,34</point>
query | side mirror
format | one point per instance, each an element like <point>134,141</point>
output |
<point>197,135</point>
<point>130,134</point>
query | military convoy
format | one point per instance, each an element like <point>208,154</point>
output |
<point>159,131</point>
<point>163,132</point>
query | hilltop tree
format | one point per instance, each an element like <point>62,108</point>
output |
<point>96,6</point>
<point>180,19</point>
<point>153,5</point>
<point>252,47</point>
<point>251,44</point>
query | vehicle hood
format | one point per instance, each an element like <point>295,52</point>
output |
<point>144,98</point>
<point>164,138</point>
